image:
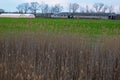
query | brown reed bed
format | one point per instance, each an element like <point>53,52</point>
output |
<point>30,56</point>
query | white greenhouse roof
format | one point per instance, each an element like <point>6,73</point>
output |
<point>18,15</point>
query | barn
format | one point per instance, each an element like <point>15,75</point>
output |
<point>91,15</point>
<point>17,15</point>
<point>114,16</point>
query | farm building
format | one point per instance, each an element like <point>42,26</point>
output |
<point>43,15</point>
<point>60,15</point>
<point>114,16</point>
<point>82,15</point>
<point>17,15</point>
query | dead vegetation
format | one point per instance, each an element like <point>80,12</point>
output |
<point>59,57</point>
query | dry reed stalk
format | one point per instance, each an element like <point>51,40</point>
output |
<point>59,57</point>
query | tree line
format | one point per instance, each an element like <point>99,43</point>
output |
<point>42,7</point>
<point>33,7</point>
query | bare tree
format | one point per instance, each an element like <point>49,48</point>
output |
<point>82,9</point>
<point>25,7</point>
<point>111,9</point>
<point>73,7</point>
<point>69,8</point>
<point>52,10</point>
<point>104,9</point>
<point>87,9</point>
<point>20,8</point>
<point>98,7</point>
<point>56,8</point>
<point>34,7</point>
<point>101,5</point>
<point>92,11</point>
<point>45,8</point>
<point>2,11</point>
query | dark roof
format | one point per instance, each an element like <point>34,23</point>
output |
<point>84,14</point>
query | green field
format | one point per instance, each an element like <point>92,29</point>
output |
<point>76,26</point>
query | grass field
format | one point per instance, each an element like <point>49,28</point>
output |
<point>59,49</point>
<point>88,27</point>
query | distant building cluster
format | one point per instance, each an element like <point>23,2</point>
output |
<point>112,16</point>
<point>63,15</point>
